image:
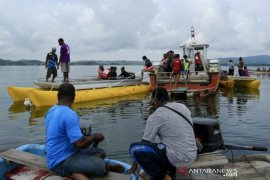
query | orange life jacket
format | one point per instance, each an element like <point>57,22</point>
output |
<point>176,66</point>
<point>104,74</point>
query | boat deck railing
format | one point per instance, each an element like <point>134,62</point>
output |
<point>168,77</point>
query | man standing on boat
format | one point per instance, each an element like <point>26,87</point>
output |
<point>147,65</point>
<point>68,151</point>
<point>51,63</point>
<point>177,145</point>
<point>64,58</point>
<point>231,67</point>
<point>241,66</point>
<point>187,64</point>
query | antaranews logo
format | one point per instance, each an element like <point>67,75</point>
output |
<point>185,171</point>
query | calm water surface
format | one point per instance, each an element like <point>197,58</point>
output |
<point>243,116</point>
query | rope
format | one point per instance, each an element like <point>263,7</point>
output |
<point>48,175</point>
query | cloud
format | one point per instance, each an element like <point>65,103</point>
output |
<point>113,29</point>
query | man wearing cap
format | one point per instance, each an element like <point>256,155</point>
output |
<point>64,58</point>
<point>51,63</point>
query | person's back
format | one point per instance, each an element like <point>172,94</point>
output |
<point>68,151</point>
<point>124,73</point>
<point>64,59</point>
<point>245,71</point>
<point>241,66</point>
<point>113,73</point>
<point>65,52</point>
<point>177,144</point>
<point>52,60</point>
<point>231,67</point>
<point>51,63</point>
<point>148,63</point>
<point>174,132</point>
<point>58,145</point>
<point>186,64</point>
<point>176,65</point>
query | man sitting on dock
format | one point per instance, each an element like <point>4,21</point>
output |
<point>177,145</point>
<point>68,151</point>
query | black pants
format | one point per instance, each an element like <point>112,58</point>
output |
<point>52,71</point>
<point>231,72</point>
<point>240,72</point>
<point>152,159</point>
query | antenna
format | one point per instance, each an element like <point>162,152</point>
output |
<point>192,35</point>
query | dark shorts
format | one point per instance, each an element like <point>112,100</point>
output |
<point>231,72</point>
<point>152,158</point>
<point>83,161</point>
<point>52,71</point>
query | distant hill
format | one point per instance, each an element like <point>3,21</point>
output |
<point>20,62</point>
<point>83,62</point>
<point>260,60</point>
<point>119,62</point>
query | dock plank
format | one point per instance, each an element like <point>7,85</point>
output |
<point>25,158</point>
<point>37,161</point>
<point>210,160</point>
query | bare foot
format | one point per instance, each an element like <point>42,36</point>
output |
<point>133,168</point>
<point>167,177</point>
<point>78,176</point>
<point>144,176</point>
<point>115,168</point>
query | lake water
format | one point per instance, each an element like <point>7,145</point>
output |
<point>243,116</point>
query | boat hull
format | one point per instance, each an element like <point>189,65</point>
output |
<point>228,83</point>
<point>41,97</point>
<point>200,86</point>
<point>246,82</point>
<point>240,82</point>
<point>20,93</point>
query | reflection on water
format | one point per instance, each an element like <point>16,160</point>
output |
<point>199,106</point>
<point>18,107</point>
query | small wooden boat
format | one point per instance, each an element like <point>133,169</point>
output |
<point>42,97</point>
<point>29,162</point>
<point>88,83</point>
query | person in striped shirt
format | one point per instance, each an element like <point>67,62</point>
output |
<point>51,64</point>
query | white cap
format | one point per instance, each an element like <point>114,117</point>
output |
<point>54,49</point>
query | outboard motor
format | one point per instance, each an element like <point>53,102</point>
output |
<point>209,133</point>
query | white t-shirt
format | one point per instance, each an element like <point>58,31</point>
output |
<point>174,132</point>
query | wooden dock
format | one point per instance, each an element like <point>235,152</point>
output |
<point>39,162</point>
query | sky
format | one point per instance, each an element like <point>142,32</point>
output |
<point>129,29</point>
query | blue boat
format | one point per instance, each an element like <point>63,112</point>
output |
<point>8,168</point>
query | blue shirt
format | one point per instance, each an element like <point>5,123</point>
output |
<point>52,60</point>
<point>62,130</point>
